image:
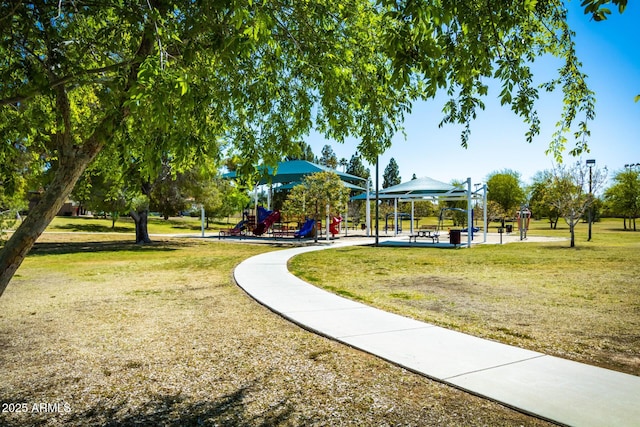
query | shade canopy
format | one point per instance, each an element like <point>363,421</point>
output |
<point>290,185</point>
<point>415,189</point>
<point>420,186</point>
<point>295,171</point>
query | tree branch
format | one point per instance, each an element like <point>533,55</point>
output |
<point>21,97</point>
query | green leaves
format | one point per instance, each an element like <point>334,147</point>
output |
<point>471,43</point>
<point>316,192</point>
<point>598,10</point>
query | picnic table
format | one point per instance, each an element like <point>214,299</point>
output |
<point>427,233</point>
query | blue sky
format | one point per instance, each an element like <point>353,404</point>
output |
<point>610,53</point>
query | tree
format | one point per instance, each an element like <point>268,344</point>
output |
<point>598,10</point>
<point>302,151</point>
<point>505,190</point>
<point>328,157</point>
<point>103,188</point>
<point>167,196</point>
<point>357,208</point>
<point>356,168</point>
<point>624,196</point>
<point>391,175</point>
<point>219,197</point>
<point>317,191</point>
<point>456,209</point>
<point>571,190</point>
<point>176,77</point>
<point>541,195</point>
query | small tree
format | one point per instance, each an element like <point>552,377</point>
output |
<point>220,197</point>
<point>541,195</point>
<point>314,194</point>
<point>571,192</point>
<point>506,191</point>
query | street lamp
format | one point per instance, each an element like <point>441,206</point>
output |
<point>590,163</point>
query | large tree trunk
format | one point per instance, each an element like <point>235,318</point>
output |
<point>19,245</point>
<point>73,159</point>
<point>140,217</point>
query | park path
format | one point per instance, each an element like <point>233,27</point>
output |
<point>548,387</point>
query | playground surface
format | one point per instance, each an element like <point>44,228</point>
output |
<point>555,389</point>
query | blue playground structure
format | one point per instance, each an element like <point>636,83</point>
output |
<point>307,229</point>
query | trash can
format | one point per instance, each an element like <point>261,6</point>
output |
<point>454,237</point>
<point>509,228</point>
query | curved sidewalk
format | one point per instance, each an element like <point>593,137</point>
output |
<point>548,387</point>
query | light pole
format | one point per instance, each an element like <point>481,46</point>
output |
<point>590,163</point>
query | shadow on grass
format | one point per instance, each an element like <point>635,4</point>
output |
<point>165,410</point>
<point>94,228</point>
<point>116,246</point>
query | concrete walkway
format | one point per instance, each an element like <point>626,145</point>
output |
<point>551,388</point>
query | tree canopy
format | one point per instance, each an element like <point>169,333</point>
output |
<point>623,196</point>
<point>328,158</point>
<point>391,175</point>
<point>185,79</point>
<point>506,191</point>
<point>541,197</point>
<point>314,194</point>
<point>572,188</point>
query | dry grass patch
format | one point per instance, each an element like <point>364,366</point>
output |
<point>118,334</point>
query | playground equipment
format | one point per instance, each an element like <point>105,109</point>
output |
<point>401,216</point>
<point>266,219</point>
<point>334,226</point>
<point>307,229</point>
<point>524,216</point>
<point>238,230</point>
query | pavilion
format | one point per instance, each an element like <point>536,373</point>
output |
<point>430,189</point>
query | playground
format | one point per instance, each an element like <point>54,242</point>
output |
<point>268,223</point>
<point>261,221</point>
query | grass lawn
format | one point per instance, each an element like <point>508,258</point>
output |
<point>157,225</point>
<point>104,332</point>
<point>582,303</point>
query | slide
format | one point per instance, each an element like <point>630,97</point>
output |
<point>307,229</point>
<point>263,213</point>
<point>238,228</point>
<point>333,227</point>
<point>267,222</point>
